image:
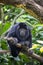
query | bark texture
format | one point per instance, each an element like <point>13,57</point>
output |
<point>35,6</point>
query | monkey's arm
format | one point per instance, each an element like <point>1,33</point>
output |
<point>12,33</point>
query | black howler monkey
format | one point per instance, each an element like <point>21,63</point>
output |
<point>21,34</point>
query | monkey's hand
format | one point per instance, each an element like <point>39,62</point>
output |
<point>11,40</point>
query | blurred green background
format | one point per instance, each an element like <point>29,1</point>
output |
<point>11,15</point>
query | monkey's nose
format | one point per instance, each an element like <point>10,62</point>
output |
<point>22,33</point>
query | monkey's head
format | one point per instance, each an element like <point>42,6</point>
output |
<point>22,31</point>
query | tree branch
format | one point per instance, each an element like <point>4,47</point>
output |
<point>30,4</point>
<point>36,8</point>
<point>4,51</point>
<point>25,50</point>
<point>30,53</point>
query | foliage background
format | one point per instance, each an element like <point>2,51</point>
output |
<point>10,14</point>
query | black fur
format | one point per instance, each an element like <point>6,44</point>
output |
<point>15,34</point>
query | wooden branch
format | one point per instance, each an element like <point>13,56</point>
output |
<point>30,4</point>
<point>40,2</point>
<point>4,51</point>
<point>25,49</point>
<point>36,8</point>
<point>27,52</point>
<point>30,53</point>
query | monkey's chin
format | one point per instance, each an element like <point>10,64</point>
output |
<point>17,58</point>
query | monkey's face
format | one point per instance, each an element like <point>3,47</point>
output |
<point>22,32</point>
